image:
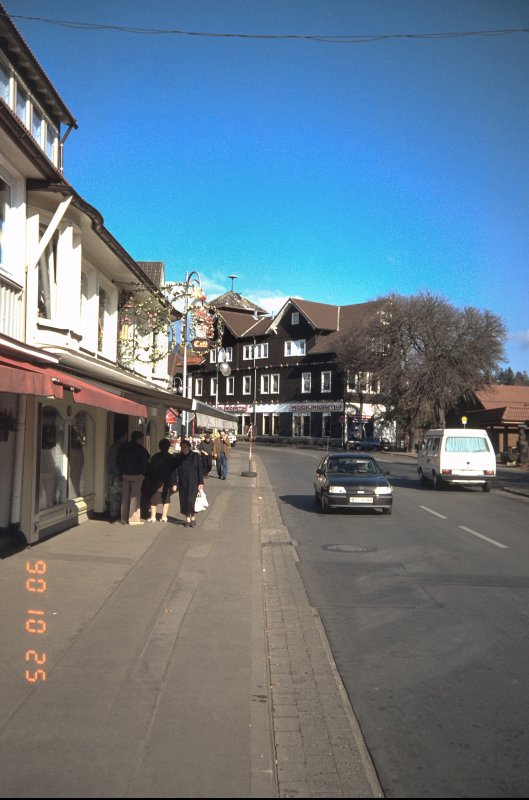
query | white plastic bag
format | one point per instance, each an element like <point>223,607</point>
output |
<point>201,503</point>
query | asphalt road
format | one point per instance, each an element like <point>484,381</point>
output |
<point>427,614</point>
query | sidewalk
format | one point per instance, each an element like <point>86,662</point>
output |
<point>179,662</point>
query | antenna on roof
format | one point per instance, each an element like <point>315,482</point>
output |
<point>232,279</point>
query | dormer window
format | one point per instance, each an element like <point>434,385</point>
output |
<point>295,348</point>
<point>21,101</point>
<point>295,318</point>
<point>4,83</point>
<point>22,105</point>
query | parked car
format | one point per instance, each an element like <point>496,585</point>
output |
<point>346,480</point>
<point>368,444</point>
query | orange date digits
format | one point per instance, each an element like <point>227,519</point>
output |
<point>36,625</point>
<point>38,674</point>
<point>38,568</point>
<point>39,659</point>
<point>36,585</point>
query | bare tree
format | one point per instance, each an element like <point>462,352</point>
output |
<point>427,355</point>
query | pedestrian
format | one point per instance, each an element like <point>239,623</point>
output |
<point>190,480</point>
<point>221,451</point>
<point>114,483</point>
<point>206,453</point>
<point>160,480</point>
<point>133,459</point>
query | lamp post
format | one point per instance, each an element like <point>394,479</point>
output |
<point>192,280</point>
<point>250,472</point>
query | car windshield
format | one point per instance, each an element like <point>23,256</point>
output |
<point>351,466</point>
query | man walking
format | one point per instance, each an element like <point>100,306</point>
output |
<point>221,451</point>
<point>132,462</point>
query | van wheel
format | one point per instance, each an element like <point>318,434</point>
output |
<point>438,483</point>
<point>422,477</point>
<point>486,487</point>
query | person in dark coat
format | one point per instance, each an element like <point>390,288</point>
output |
<point>206,453</point>
<point>190,480</point>
<point>160,479</point>
<point>132,461</point>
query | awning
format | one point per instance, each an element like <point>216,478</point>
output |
<point>20,377</point>
<point>211,417</point>
<point>90,395</point>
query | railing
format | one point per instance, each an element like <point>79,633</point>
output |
<point>11,309</point>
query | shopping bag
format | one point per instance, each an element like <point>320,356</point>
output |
<point>201,502</point>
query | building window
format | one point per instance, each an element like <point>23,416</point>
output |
<point>261,351</point>
<point>326,381</point>
<point>295,318</point>
<point>199,386</point>
<point>301,424</point>
<point>37,125</point>
<point>306,382</point>
<point>270,384</point>
<point>220,354</point>
<point>230,385</point>
<point>295,347</point>
<point>267,425</point>
<point>53,459</point>
<point>47,279</point>
<point>213,387</point>
<point>326,424</point>
<point>247,384</point>
<point>51,142</point>
<point>5,208</point>
<point>102,319</point>
<point>4,83</point>
<point>81,456</point>
<point>22,105</point>
<point>275,424</point>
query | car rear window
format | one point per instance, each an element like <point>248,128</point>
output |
<point>466,444</point>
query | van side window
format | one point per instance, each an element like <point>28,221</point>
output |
<point>433,445</point>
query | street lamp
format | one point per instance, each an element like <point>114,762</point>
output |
<point>224,368</point>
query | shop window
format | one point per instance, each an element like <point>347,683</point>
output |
<point>81,456</point>
<point>53,459</point>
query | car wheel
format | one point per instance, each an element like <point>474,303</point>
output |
<point>387,510</point>
<point>486,487</point>
<point>324,505</point>
<point>438,483</point>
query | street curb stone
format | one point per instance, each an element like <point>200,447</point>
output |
<point>319,747</point>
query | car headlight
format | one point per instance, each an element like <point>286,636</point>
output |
<point>383,490</point>
<point>337,490</point>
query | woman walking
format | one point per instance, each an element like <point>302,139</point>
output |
<point>160,480</point>
<point>190,480</point>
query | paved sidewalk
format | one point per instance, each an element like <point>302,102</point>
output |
<point>179,662</point>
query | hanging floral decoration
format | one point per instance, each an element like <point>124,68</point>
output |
<point>150,326</point>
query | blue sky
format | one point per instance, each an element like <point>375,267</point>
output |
<point>333,172</point>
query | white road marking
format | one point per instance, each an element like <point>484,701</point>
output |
<point>486,538</point>
<point>430,511</point>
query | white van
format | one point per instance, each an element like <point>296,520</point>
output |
<point>457,455</point>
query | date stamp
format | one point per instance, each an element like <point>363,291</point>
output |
<point>36,624</point>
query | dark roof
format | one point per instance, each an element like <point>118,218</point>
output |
<point>242,325</point>
<point>233,301</point>
<point>155,270</point>
<point>349,317</point>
